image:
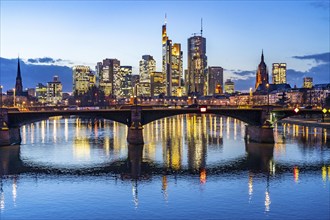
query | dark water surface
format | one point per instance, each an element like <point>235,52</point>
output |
<point>190,167</point>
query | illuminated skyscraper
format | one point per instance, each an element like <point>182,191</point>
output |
<point>41,93</point>
<point>172,65</point>
<point>108,77</point>
<point>214,80</point>
<point>54,91</point>
<point>126,84</point>
<point>308,82</point>
<point>262,74</point>
<point>147,66</point>
<point>279,73</point>
<point>83,79</point>
<point>197,65</point>
<point>177,70</point>
<point>157,84</point>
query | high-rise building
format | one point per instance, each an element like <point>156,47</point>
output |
<point>279,73</point>
<point>177,71</point>
<point>262,75</point>
<point>229,86</point>
<point>197,65</point>
<point>172,65</point>
<point>126,84</point>
<point>214,80</point>
<point>157,84</point>
<point>135,83</point>
<point>18,85</point>
<point>54,91</point>
<point>41,93</point>
<point>83,79</point>
<point>108,77</point>
<point>147,66</point>
<point>308,82</point>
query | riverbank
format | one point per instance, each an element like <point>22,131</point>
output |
<point>310,122</point>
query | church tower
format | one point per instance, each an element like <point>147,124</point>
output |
<point>18,85</point>
<point>262,74</point>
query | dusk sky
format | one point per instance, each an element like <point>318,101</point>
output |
<point>86,32</point>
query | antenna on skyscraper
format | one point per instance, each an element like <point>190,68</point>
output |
<point>202,27</point>
<point>165,18</point>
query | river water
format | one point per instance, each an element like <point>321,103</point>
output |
<point>190,167</point>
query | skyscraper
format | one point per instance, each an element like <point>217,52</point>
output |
<point>54,91</point>
<point>214,80</point>
<point>262,74</point>
<point>279,73</point>
<point>147,66</point>
<point>108,77</point>
<point>126,83</point>
<point>157,84</point>
<point>83,79</point>
<point>18,85</point>
<point>172,65</point>
<point>177,70</point>
<point>197,65</point>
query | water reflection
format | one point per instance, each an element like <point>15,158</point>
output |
<point>198,149</point>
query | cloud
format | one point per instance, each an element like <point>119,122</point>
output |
<point>41,60</point>
<point>319,58</point>
<point>50,61</point>
<point>319,73</point>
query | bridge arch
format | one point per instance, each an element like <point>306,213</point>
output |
<point>249,116</point>
<point>17,119</point>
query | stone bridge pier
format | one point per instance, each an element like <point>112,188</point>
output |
<point>262,133</point>
<point>8,135</point>
<point>135,130</point>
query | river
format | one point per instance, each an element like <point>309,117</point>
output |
<point>190,167</point>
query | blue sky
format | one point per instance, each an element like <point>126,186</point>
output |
<point>85,32</point>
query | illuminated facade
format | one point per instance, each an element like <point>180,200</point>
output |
<point>197,65</point>
<point>41,93</point>
<point>54,91</point>
<point>108,76</point>
<point>279,73</point>
<point>157,84</point>
<point>229,86</point>
<point>126,84</point>
<point>172,65</point>
<point>214,80</point>
<point>262,74</point>
<point>83,79</point>
<point>147,66</point>
<point>177,70</point>
<point>308,82</point>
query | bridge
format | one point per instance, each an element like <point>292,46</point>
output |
<point>259,129</point>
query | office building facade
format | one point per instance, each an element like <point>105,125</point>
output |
<point>147,66</point>
<point>197,65</point>
<point>279,73</point>
<point>214,80</point>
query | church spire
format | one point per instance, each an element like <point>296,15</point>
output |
<point>18,85</point>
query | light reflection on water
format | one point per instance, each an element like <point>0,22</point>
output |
<point>190,166</point>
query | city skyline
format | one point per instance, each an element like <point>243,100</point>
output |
<point>233,42</point>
